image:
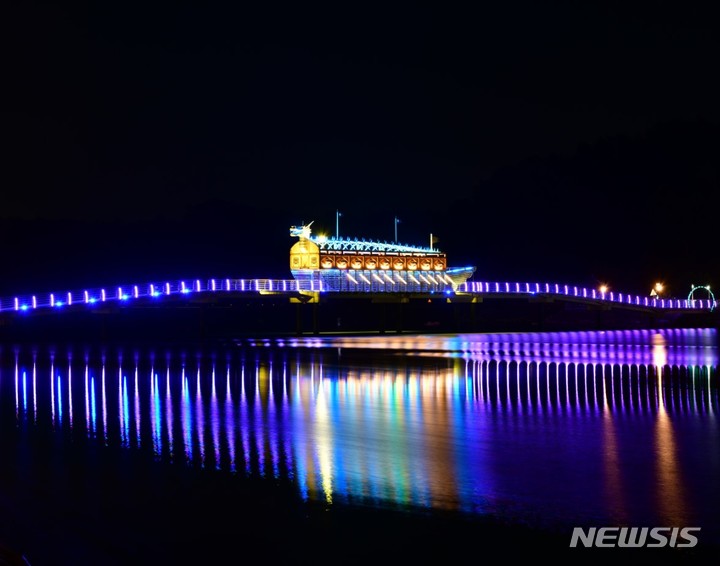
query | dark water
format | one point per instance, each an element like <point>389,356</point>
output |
<point>118,454</point>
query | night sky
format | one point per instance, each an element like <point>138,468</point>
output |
<point>538,141</point>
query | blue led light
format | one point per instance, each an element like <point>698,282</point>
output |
<point>59,303</point>
<point>91,300</point>
<point>23,307</point>
<point>124,297</point>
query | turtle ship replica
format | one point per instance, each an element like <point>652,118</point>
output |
<point>319,263</point>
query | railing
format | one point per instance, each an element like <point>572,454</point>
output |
<point>480,287</point>
<point>124,293</point>
<point>158,290</point>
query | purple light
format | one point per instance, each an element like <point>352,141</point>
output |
<point>391,285</point>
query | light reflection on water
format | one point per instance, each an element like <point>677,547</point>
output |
<point>572,427</point>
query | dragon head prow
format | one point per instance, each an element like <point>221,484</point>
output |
<point>301,231</point>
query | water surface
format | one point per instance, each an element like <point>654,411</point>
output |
<point>547,430</point>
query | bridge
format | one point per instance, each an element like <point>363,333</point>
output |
<point>313,291</point>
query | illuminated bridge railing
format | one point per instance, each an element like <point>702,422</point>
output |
<point>157,291</point>
<point>506,288</point>
<point>126,293</point>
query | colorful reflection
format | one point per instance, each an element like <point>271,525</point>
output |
<point>474,423</point>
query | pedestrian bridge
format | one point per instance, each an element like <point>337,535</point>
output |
<point>209,290</point>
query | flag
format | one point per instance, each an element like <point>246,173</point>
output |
<point>434,240</point>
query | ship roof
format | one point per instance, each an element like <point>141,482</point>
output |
<point>363,245</point>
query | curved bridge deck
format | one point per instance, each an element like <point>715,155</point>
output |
<point>211,289</point>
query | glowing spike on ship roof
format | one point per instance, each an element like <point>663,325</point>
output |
<point>353,244</point>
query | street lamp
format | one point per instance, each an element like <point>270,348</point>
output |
<point>657,289</point>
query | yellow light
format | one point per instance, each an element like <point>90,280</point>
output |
<point>659,287</point>
<point>603,289</point>
<point>322,238</point>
